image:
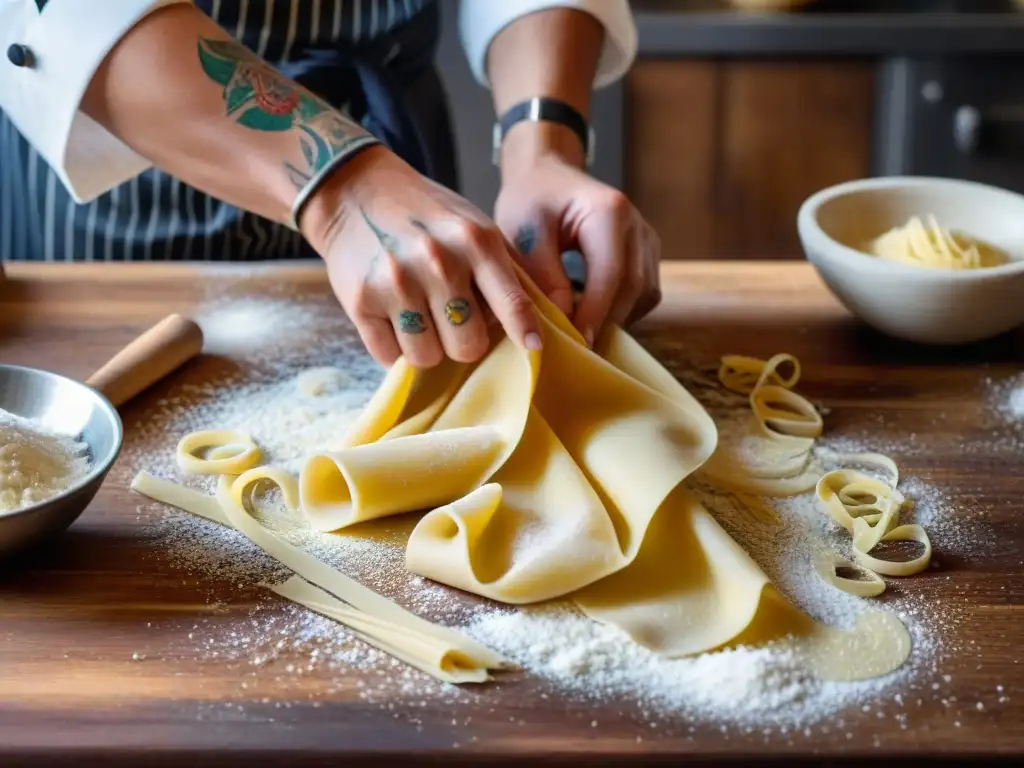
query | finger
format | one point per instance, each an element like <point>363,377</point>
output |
<point>461,326</point>
<point>501,289</point>
<point>536,245</point>
<point>378,337</point>
<point>635,275</point>
<point>603,238</point>
<point>410,316</point>
<point>651,296</point>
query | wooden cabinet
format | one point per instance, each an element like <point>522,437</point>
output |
<point>719,155</point>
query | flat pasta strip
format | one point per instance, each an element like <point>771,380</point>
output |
<point>436,650</point>
<point>426,653</point>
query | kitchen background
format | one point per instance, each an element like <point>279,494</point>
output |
<point>730,119</point>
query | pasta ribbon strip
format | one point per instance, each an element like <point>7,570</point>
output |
<point>438,651</point>
<point>898,568</point>
<point>826,564</point>
<point>870,510</point>
<point>233,453</point>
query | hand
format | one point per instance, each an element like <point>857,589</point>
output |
<point>413,263</point>
<point>548,206</point>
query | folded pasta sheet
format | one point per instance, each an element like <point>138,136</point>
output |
<point>559,473</point>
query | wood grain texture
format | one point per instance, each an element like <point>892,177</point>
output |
<point>720,154</point>
<point>73,614</point>
<point>671,124</point>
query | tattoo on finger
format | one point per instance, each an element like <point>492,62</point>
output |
<point>457,311</point>
<point>411,322</point>
<point>526,239</point>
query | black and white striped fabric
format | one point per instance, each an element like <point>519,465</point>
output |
<point>156,217</point>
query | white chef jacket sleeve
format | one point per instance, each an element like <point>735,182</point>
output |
<point>480,21</point>
<point>67,41</point>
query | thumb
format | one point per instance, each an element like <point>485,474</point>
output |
<point>538,253</point>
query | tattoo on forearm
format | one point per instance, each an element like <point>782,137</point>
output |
<point>411,322</point>
<point>457,311</point>
<point>262,99</point>
<point>526,239</point>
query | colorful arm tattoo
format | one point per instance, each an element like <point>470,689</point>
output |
<point>262,99</point>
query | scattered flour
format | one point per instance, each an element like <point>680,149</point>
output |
<point>35,463</point>
<point>270,343</point>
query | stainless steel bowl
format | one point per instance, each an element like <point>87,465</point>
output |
<point>62,405</point>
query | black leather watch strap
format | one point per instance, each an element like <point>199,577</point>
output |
<point>548,110</point>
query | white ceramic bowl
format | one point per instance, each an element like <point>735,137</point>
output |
<point>931,306</point>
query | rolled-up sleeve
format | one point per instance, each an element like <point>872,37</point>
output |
<point>480,21</point>
<point>67,41</point>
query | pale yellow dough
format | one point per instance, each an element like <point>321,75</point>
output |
<point>230,453</point>
<point>438,651</point>
<point>548,475</point>
<point>559,474</point>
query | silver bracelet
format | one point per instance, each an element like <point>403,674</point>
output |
<point>353,149</point>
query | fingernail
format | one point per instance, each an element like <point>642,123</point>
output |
<point>588,336</point>
<point>533,342</point>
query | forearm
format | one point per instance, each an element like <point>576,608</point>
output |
<point>183,94</point>
<point>551,53</point>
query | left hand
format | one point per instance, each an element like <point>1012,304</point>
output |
<point>548,206</point>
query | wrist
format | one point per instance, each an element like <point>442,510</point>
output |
<point>330,204</point>
<point>528,143</point>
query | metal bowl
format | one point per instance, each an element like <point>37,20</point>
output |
<point>61,405</point>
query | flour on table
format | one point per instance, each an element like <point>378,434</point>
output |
<point>761,690</point>
<point>36,464</point>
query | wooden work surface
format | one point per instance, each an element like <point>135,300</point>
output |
<point>72,615</point>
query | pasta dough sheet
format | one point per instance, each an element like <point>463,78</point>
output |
<point>558,473</point>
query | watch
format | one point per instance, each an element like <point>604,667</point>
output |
<point>544,109</point>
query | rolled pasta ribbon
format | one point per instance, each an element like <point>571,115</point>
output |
<point>864,506</point>
<point>898,568</point>
<point>797,422</point>
<point>786,426</point>
<point>826,564</point>
<point>742,374</point>
<point>289,485</point>
<point>876,460</point>
<point>439,651</point>
<point>233,453</point>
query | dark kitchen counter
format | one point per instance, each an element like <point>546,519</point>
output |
<point>831,27</point>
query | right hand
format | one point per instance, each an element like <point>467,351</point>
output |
<point>411,262</point>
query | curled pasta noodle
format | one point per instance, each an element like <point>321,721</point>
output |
<point>439,651</point>
<point>289,485</point>
<point>898,567</point>
<point>826,564</point>
<point>869,510</point>
<point>787,425</point>
<point>232,453</point>
<point>742,374</point>
<point>864,506</point>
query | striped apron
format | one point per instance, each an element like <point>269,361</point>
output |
<point>373,59</point>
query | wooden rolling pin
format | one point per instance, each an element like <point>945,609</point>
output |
<point>162,349</point>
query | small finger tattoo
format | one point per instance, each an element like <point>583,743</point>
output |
<point>411,322</point>
<point>526,239</point>
<point>457,311</point>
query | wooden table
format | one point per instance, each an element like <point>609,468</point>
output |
<point>71,614</point>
